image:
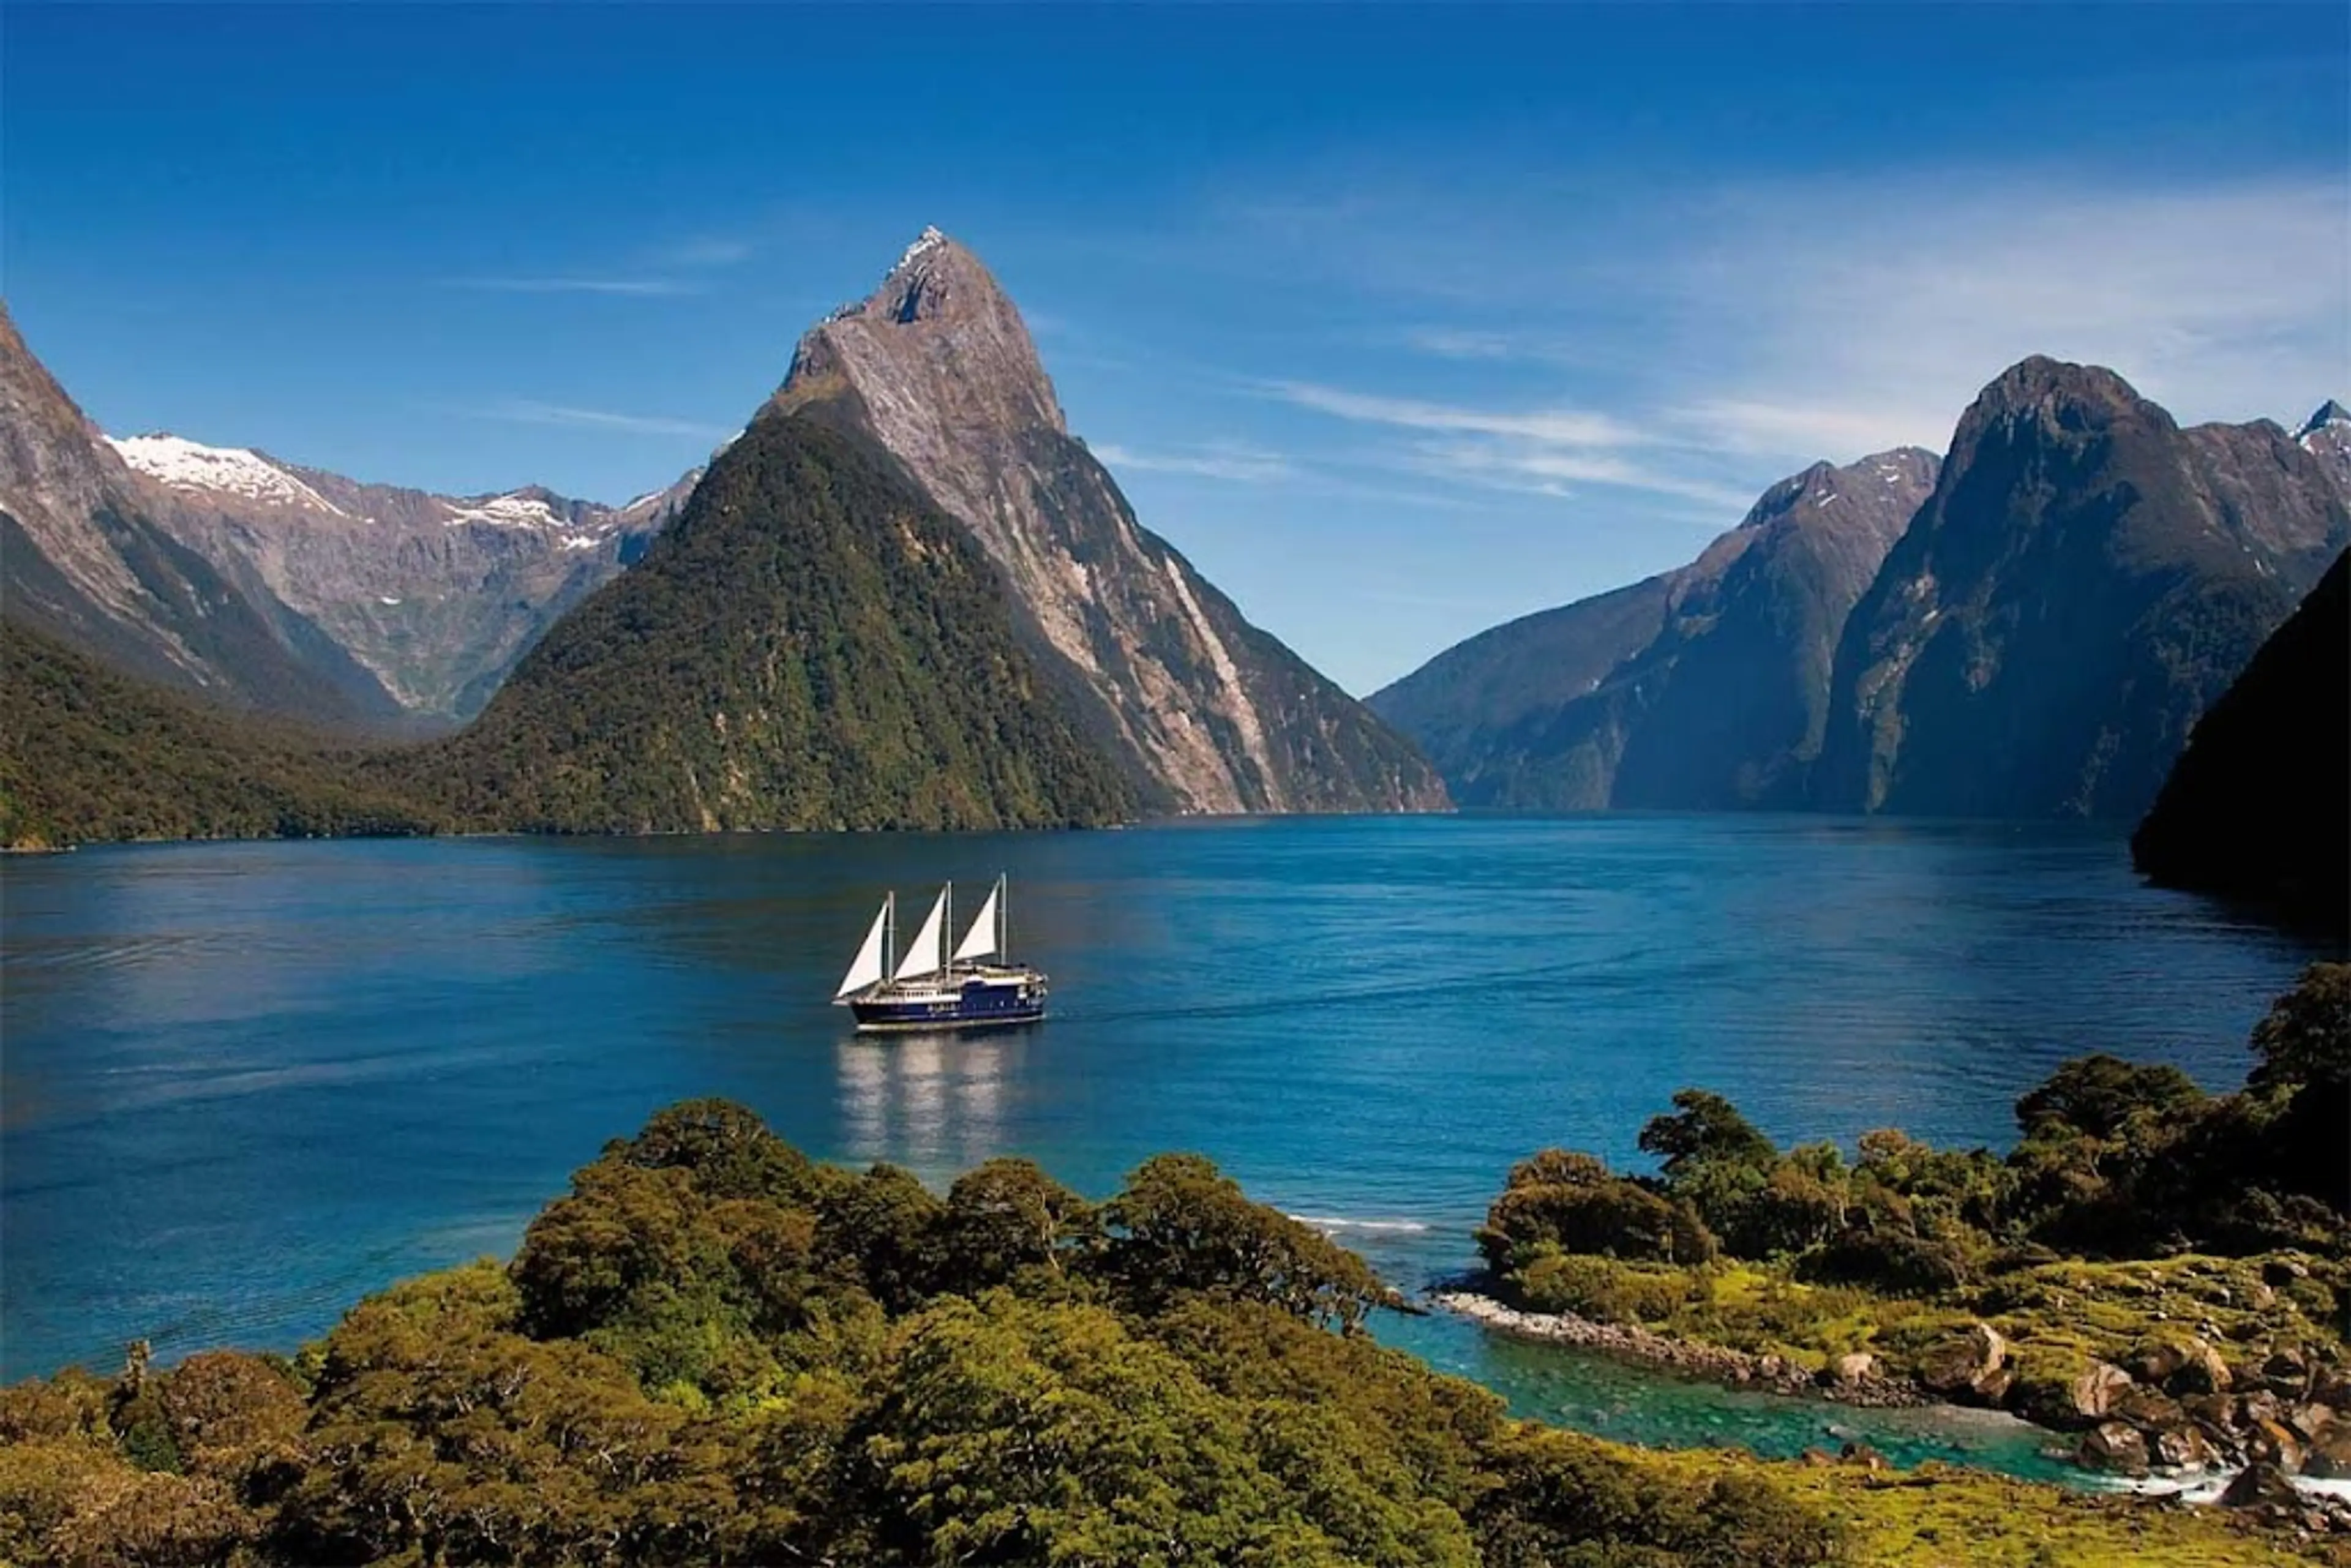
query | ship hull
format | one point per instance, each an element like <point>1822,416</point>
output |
<point>994,999</point>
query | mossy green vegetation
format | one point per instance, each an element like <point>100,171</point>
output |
<point>811,644</point>
<point>2175,1261</point>
<point>713,1350</point>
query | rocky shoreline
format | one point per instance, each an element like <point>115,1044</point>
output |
<point>2290,1471</point>
<point>1848,1380</point>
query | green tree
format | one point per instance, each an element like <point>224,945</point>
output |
<point>1180,1224</point>
<point>2103,1095</point>
<point>1007,1216</point>
<point>1705,1129</point>
<point>1006,1432</point>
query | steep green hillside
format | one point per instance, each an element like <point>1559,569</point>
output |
<point>812,644</point>
<point>88,754</point>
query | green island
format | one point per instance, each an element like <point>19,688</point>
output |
<point>2160,1273</point>
<point>715,1350</point>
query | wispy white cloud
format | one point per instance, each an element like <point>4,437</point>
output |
<point>1464,343</point>
<point>1543,451</point>
<point>1773,322</point>
<point>1549,426</point>
<point>524,411</point>
<point>648,288</point>
<point>1876,320</point>
<point>1218,460</point>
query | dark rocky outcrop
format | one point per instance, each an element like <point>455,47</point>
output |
<point>1703,688</point>
<point>2258,807</point>
<point>2084,581</point>
<point>1205,712</point>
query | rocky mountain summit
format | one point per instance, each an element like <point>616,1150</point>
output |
<point>1702,688</point>
<point>2084,581</point>
<point>436,596</point>
<point>1205,711</point>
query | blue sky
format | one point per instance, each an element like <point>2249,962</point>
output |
<point>1400,322</point>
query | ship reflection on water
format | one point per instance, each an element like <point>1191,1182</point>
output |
<point>932,1103</point>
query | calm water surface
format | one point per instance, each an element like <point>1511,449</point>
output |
<point>241,1085</point>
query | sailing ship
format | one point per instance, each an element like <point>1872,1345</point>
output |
<point>927,988</point>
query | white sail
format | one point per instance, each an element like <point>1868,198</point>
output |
<point>980,941</point>
<point>868,966</point>
<point>928,954</point>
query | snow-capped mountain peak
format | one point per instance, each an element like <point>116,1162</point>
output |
<point>186,464</point>
<point>929,240</point>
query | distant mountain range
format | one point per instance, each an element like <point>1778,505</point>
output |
<point>435,596</point>
<point>85,558</point>
<point>908,596</point>
<point>2029,629</point>
<point>1043,659</point>
<point>1702,688</point>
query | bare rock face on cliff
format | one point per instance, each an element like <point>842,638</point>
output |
<point>2084,582</point>
<point>84,558</point>
<point>1205,711</point>
<point>1699,689</point>
<point>436,596</point>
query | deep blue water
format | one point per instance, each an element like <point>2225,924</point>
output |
<point>242,1084</point>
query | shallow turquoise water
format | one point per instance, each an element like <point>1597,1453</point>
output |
<point>242,1084</point>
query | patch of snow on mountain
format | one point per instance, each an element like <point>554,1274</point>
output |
<point>581,541</point>
<point>930,239</point>
<point>187,465</point>
<point>504,512</point>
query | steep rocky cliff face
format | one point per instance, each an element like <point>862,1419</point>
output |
<point>2086,579</point>
<point>812,644</point>
<point>85,558</point>
<point>1205,711</point>
<point>2326,435</point>
<point>1703,688</point>
<point>2259,806</point>
<point>436,596</point>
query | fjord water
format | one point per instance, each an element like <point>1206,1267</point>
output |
<point>246,1083</point>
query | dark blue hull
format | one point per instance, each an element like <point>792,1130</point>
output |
<point>996,1000</point>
